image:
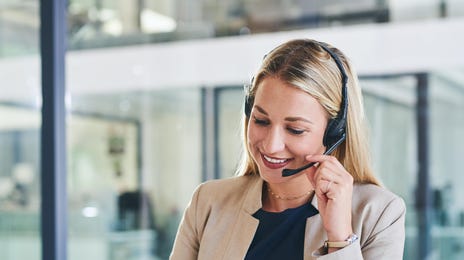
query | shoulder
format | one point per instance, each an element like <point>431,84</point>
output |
<point>229,189</point>
<point>228,184</point>
<point>378,218</point>
<point>375,197</point>
<point>376,208</point>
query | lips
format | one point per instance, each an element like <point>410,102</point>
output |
<point>274,163</point>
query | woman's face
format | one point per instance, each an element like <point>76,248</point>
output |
<point>286,124</point>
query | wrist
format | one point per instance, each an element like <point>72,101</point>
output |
<point>339,236</point>
<point>341,243</point>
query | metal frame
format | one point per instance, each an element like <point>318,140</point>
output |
<point>53,132</point>
<point>424,194</point>
<point>209,123</point>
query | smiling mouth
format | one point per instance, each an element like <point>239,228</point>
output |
<point>273,160</point>
<point>274,163</point>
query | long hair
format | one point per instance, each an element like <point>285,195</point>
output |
<point>304,64</point>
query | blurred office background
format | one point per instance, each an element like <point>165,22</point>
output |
<point>154,102</point>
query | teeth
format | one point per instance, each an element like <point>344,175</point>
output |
<point>272,160</point>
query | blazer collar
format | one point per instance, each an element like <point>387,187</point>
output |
<point>253,200</point>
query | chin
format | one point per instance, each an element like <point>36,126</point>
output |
<point>272,176</point>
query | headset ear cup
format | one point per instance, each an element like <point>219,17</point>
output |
<point>248,105</point>
<point>334,132</point>
<point>327,140</point>
<point>249,100</point>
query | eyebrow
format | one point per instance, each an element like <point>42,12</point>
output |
<point>261,110</point>
<point>297,118</point>
<point>291,118</point>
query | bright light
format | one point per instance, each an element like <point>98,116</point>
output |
<point>153,22</point>
<point>90,212</point>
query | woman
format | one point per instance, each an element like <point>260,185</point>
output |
<point>303,103</point>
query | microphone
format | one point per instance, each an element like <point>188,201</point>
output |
<point>290,172</point>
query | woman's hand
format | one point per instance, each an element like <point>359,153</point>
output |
<point>334,189</point>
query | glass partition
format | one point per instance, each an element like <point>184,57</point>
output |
<point>446,152</point>
<point>229,117</point>
<point>390,109</point>
<point>390,106</point>
<point>101,23</point>
<point>19,182</point>
<point>20,124</point>
<point>19,27</point>
<point>105,23</point>
<point>134,160</point>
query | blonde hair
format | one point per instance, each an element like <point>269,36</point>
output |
<point>304,64</point>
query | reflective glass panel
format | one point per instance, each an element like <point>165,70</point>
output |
<point>390,108</point>
<point>20,123</point>
<point>100,23</point>
<point>229,116</point>
<point>446,94</point>
<point>134,160</point>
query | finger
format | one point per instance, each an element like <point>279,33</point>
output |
<point>323,186</point>
<point>316,157</point>
<point>326,191</point>
<point>332,169</point>
<point>327,188</point>
<point>327,174</point>
<point>338,176</point>
<point>331,190</point>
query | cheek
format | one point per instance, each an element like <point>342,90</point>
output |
<point>310,145</point>
<point>301,147</point>
<point>252,135</point>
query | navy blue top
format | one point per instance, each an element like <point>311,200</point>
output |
<point>280,235</point>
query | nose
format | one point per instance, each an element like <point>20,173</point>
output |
<point>273,141</point>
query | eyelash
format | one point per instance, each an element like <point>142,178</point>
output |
<point>261,122</point>
<point>289,129</point>
<point>294,131</point>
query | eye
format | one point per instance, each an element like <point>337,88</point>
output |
<point>295,131</point>
<point>260,121</point>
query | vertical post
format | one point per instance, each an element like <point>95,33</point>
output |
<point>217,162</point>
<point>139,133</point>
<point>443,10</point>
<point>209,134</point>
<point>423,196</point>
<point>53,131</point>
<point>383,12</point>
<point>140,6</point>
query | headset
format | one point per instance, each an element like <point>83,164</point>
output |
<point>335,132</point>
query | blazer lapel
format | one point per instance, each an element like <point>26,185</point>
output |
<point>314,233</point>
<point>245,227</point>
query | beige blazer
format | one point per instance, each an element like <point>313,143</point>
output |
<point>218,223</point>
